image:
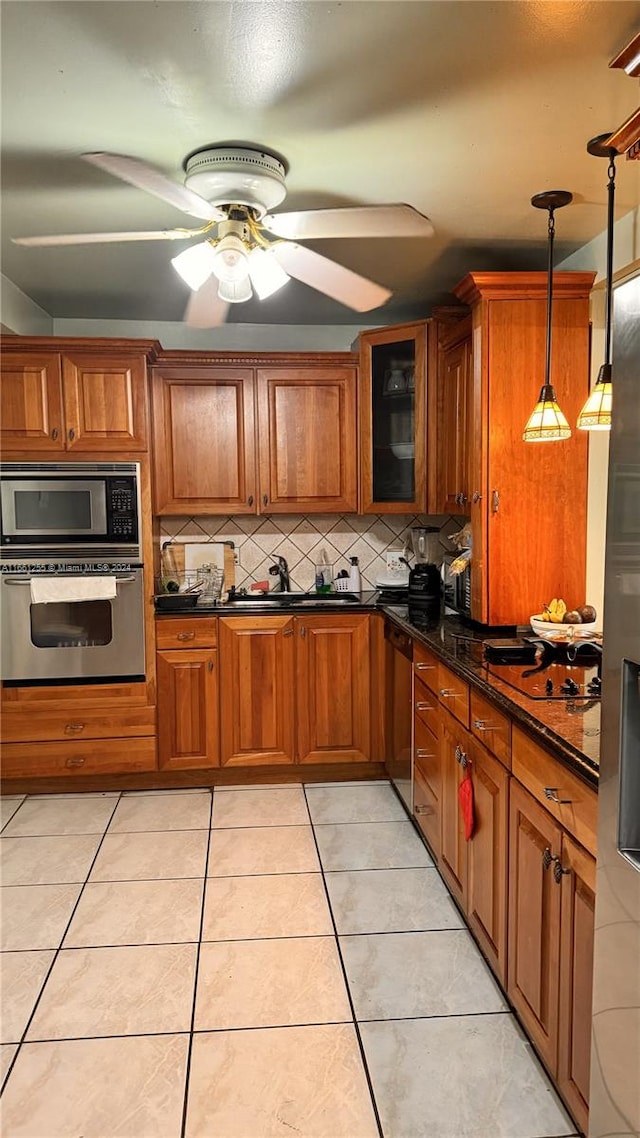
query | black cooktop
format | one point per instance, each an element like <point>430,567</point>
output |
<point>552,679</point>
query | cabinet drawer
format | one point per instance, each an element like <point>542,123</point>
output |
<point>426,809</point>
<point>75,724</point>
<point>425,706</point>
<point>187,632</point>
<point>547,779</point>
<point>109,756</point>
<point>426,755</point>
<point>425,666</point>
<point>492,727</point>
<point>454,694</point>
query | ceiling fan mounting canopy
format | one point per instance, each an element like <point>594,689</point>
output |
<point>225,175</point>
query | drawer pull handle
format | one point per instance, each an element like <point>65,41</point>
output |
<point>186,636</point>
<point>482,725</point>
<point>75,762</point>
<point>423,753</point>
<point>73,728</point>
<point>421,705</point>
<point>420,809</point>
<point>446,693</point>
<point>425,667</point>
<point>551,794</point>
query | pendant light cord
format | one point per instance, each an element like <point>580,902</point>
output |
<point>611,172</point>
<point>551,231</point>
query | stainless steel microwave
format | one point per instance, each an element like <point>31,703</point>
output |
<point>70,505</point>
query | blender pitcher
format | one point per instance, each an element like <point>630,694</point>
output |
<point>425,582</point>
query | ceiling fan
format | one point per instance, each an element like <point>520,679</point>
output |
<point>246,248</point>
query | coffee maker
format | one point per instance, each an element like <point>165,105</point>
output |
<point>425,580</point>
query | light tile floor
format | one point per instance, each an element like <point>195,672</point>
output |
<point>247,963</point>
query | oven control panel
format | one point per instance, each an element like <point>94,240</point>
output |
<point>122,520</point>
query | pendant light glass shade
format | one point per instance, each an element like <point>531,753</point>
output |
<point>596,413</point>
<point>546,423</point>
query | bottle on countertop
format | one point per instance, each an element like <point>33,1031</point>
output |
<point>354,575</point>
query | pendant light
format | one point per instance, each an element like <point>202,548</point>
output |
<point>596,413</point>
<point>547,423</point>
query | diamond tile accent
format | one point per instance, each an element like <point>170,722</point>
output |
<point>268,535</point>
<point>379,537</point>
<point>306,536</point>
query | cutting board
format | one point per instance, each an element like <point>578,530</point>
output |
<point>199,553</point>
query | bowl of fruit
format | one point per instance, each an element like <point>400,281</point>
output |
<point>557,622</point>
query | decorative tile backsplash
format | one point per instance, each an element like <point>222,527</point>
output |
<point>301,539</point>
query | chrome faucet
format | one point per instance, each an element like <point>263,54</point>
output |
<point>281,570</point>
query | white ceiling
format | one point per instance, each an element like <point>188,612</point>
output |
<point>462,108</point>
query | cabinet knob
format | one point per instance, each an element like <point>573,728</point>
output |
<point>303,632</point>
<point>210,665</point>
<point>186,636</point>
<point>54,433</point>
<point>476,497</point>
<point>250,500</point>
<point>288,632</point>
<point>265,499</point>
<point>74,762</point>
<point>558,871</point>
<point>73,728</point>
<point>72,434</point>
<point>495,501</point>
<point>551,794</point>
<point>463,499</point>
<point>420,809</point>
<point>547,858</point>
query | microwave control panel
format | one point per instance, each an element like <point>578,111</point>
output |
<point>122,513</point>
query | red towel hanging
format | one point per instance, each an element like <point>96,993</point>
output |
<point>465,798</point>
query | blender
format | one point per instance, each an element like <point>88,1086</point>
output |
<point>425,581</point>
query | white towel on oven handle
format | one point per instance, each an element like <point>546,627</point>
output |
<point>49,590</point>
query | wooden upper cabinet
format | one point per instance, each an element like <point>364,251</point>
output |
<point>105,403</point>
<point>454,414</point>
<point>395,403</point>
<point>31,417</point>
<point>203,440</point>
<point>257,698</point>
<point>333,688</point>
<point>88,396</point>
<point>307,439</point>
<point>528,501</point>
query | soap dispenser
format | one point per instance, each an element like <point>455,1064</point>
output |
<point>354,576</point>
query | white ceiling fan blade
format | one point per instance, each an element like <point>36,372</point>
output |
<point>334,280</point>
<point>105,238</point>
<point>205,308</point>
<point>356,221</point>
<point>148,178</point>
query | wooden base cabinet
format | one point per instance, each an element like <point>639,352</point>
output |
<point>576,977</point>
<point>454,741</point>
<point>486,895</point>
<point>188,708</point>
<point>295,689</point>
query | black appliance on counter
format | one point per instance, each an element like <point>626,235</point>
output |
<point>424,594</point>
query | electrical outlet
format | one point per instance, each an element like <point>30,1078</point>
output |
<point>236,557</point>
<point>394,564</point>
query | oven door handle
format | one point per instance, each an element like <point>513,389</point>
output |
<point>27,580</point>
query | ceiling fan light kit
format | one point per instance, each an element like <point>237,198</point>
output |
<point>232,188</point>
<point>547,423</point>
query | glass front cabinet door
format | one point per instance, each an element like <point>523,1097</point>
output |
<point>393,409</point>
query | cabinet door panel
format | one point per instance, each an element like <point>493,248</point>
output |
<point>453,862</point>
<point>188,708</point>
<point>334,689</point>
<point>204,446</point>
<point>256,706</point>
<point>105,403</point>
<point>487,850</point>
<point>307,431</point>
<point>576,977</point>
<point>31,404</point>
<point>534,921</point>
<point>454,405</point>
<point>427,784</point>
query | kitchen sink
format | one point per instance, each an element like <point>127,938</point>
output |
<point>286,599</point>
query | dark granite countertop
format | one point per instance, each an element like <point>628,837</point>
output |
<point>571,729</point>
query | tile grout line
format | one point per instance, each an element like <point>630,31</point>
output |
<point>356,1026</point>
<point>56,951</point>
<point>187,1072</point>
